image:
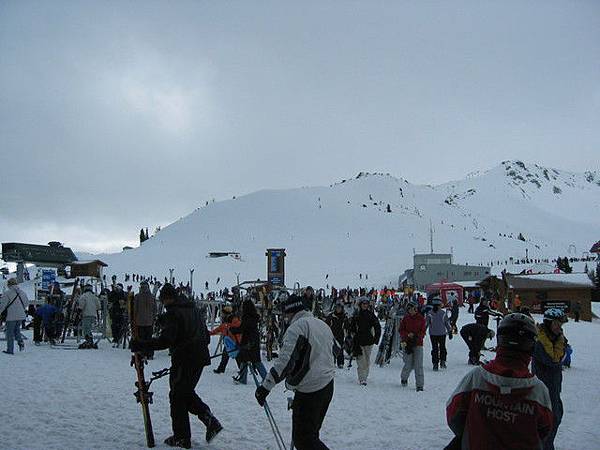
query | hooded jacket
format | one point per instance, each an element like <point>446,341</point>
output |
<point>184,333</point>
<point>306,359</point>
<point>413,324</point>
<point>144,307</point>
<point>438,322</point>
<point>89,304</point>
<point>17,309</point>
<point>500,405</point>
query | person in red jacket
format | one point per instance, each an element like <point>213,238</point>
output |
<point>412,332</point>
<point>229,319</point>
<point>502,404</point>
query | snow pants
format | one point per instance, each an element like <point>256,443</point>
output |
<point>363,362</point>
<point>414,361</point>
<point>87,323</point>
<point>258,366</point>
<point>145,333</point>
<point>184,400</point>
<point>308,413</point>
<point>438,348</point>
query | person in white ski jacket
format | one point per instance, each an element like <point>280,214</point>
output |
<point>89,305</point>
<point>15,302</point>
<point>307,364</point>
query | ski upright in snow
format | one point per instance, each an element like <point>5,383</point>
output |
<point>142,395</point>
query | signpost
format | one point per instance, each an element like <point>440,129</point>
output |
<point>48,277</point>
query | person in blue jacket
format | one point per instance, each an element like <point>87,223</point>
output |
<point>47,312</point>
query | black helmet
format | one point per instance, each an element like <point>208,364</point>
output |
<point>518,332</point>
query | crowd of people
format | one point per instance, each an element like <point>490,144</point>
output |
<point>497,404</point>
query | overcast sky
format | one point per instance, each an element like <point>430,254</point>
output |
<point>118,115</point>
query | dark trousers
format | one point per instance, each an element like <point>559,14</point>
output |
<point>37,328</point>
<point>438,348</point>
<point>471,308</point>
<point>308,413</point>
<point>145,333</point>
<point>577,316</point>
<point>116,327</point>
<point>339,357</point>
<point>185,401</point>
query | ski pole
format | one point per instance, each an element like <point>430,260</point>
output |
<point>270,418</point>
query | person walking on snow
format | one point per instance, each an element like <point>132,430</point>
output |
<point>229,320</point>
<point>439,327</point>
<point>14,302</point>
<point>306,363</point>
<point>501,405</point>
<point>89,305</point>
<point>412,332</point>
<point>548,354</point>
<point>184,333</point>
<point>249,353</point>
<point>144,311</point>
<point>367,333</point>
<point>336,321</point>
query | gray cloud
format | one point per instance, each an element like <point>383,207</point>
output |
<point>119,115</point>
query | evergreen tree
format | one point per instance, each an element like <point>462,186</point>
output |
<point>147,237</point>
<point>521,237</point>
<point>597,277</point>
<point>389,209</point>
<point>142,235</point>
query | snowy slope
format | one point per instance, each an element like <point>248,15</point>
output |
<point>85,401</point>
<point>344,230</point>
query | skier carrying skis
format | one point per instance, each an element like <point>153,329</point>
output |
<point>306,363</point>
<point>184,333</point>
<point>412,332</point>
<point>501,405</point>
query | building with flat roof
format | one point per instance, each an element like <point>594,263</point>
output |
<point>429,268</point>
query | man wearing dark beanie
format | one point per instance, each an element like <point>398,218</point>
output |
<point>306,364</point>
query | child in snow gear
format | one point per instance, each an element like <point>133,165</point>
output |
<point>306,364</point>
<point>184,333</point>
<point>229,320</point>
<point>501,405</point>
<point>474,335</point>
<point>412,332</point>
<point>548,354</point>
<point>439,326</point>
<point>367,333</point>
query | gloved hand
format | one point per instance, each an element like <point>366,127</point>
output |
<point>450,335</point>
<point>261,395</point>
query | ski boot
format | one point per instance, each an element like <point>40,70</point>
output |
<point>443,364</point>
<point>173,441</point>
<point>419,389</point>
<point>219,370</point>
<point>403,383</point>
<point>213,427</point>
<point>21,346</point>
<point>435,367</point>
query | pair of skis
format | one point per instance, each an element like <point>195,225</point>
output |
<point>142,395</point>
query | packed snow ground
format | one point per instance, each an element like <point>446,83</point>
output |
<point>76,399</point>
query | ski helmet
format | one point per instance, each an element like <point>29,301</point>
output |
<point>412,304</point>
<point>518,332</point>
<point>555,314</point>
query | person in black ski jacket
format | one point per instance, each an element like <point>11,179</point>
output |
<point>184,333</point>
<point>116,310</point>
<point>367,333</point>
<point>249,353</point>
<point>336,321</point>
<point>483,312</point>
<point>474,335</point>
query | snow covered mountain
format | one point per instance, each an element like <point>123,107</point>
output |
<point>345,229</point>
